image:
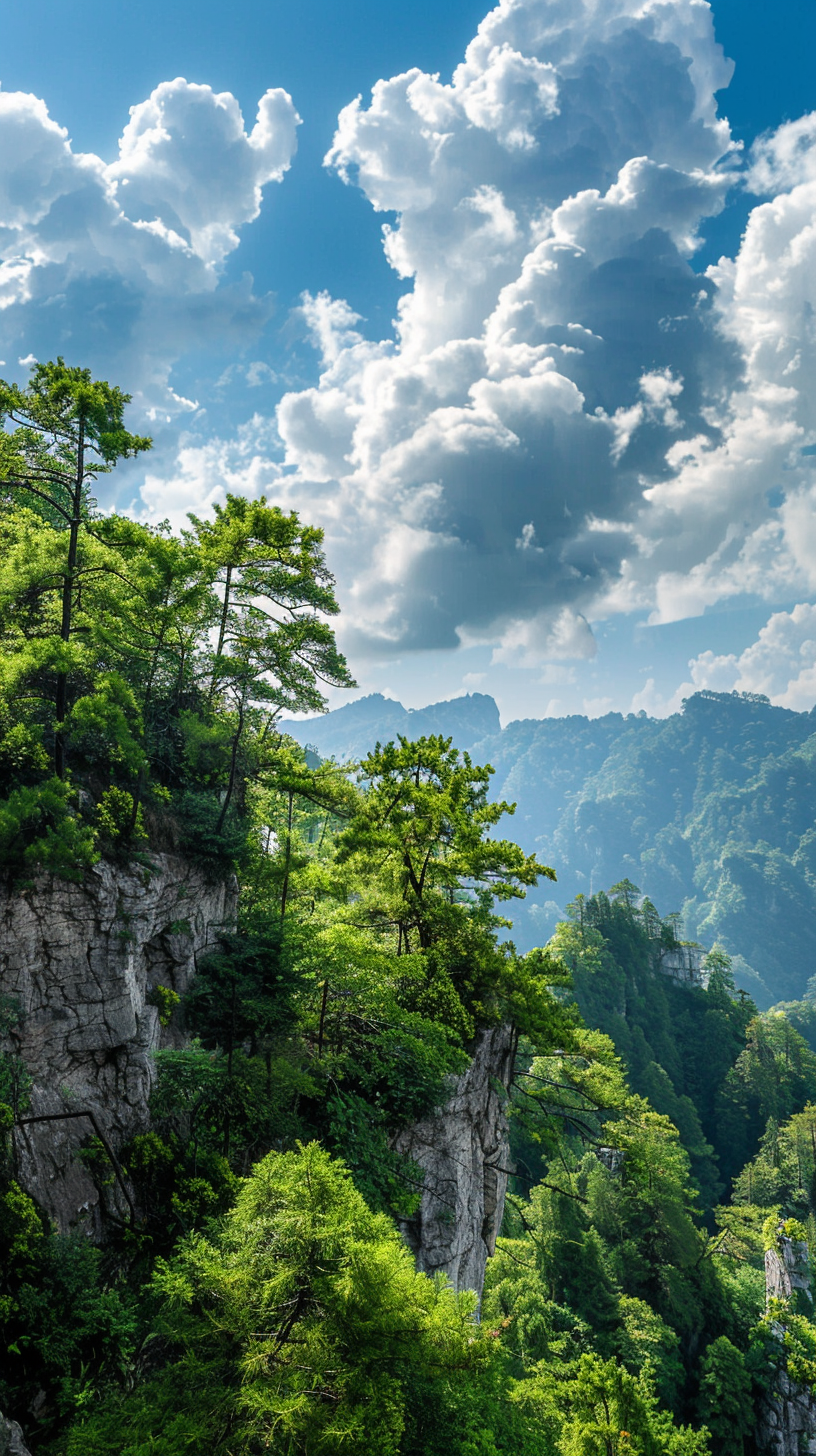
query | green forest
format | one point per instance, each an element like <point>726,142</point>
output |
<point>710,811</point>
<point>257,1296</point>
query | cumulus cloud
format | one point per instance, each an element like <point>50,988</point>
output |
<point>785,158</point>
<point>546,637</point>
<point>570,421</point>
<point>483,473</point>
<point>118,265</point>
<point>781,663</point>
<point>191,170</point>
<point>205,471</point>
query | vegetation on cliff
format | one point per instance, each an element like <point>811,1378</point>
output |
<point>261,1298</point>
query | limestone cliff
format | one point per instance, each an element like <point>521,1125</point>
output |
<point>463,1153</point>
<point>12,1442</point>
<point>78,963</point>
<point>787,1414</point>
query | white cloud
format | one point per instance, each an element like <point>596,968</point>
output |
<point>785,158</point>
<point>482,477</point>
<point>191,169</point>
<point>118,266</point>
<point>569,422</point>
<point>597,707</point>
<point>508,95</point>
<point>206,471</point>
<point>651,701</point>
<point>527,540</point>
<point>535,640</point>
<point>781,663</point>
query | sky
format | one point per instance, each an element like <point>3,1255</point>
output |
<point>516,304</point>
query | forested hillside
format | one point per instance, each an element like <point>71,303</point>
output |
<point>711,812</point>
<point>250,1289</point>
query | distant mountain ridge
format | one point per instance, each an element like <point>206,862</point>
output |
<point>350,732</point>
<point>712,812</point>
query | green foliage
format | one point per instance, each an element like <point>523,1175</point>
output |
<point>799,1341</point>
<point>305,1292</point>
<point>418,840</point>
<point>609,1235</point>
<point>63,1333</point>
<point>11,1013</point>
<point>165,999</point>
<point>701,1056</point>
<point>711,811</point>
<point>109,678</point>
<point>48,413</point>
<point>725,1397</point>
<point>41,830</point>
<point>15,1082</point>
<point>601,1408</point>
<point>389,1182</point>
<point>181,1182</point>
<point>273,645</point>
<point>261,1297</point>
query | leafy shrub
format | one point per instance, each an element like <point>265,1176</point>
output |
<point>40,831</point>
<point>165,999</point>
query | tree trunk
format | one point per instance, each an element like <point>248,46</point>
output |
<point>285,890</point>
<point>322,1018</point>
<point>222,629</point>
<point>231,784</point>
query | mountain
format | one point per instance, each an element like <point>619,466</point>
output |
<point>351,731</point>
<point>711,812</point>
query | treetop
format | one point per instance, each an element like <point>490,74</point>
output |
<point>58,403</point>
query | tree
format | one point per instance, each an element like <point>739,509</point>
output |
<point>425,817</point>
<point>595,1407</point>
<point>302,1326</point>
<point>428,869</point>
<point>274,646</point>
<point>68,428</point>
<point>613,1412</point>
<point>275,591</point>
<point>725,1397</point>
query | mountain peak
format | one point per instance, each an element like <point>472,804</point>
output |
<point>351,731</point>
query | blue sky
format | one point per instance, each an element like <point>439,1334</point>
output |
<point>577,466</point>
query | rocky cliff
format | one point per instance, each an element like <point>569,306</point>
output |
<point>787,1414</point>
<point>463,1153</point>
<point>78,964</point>
<point>12,1442</point>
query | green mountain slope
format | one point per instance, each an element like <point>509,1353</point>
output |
<point>712,812</point>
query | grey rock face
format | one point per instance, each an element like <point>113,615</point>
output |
<point>11,1439</point>
<point>463,1152</point>
<point>787,1420</point>
<point>684,964</point>
<point>787,1270</point>
<point>787,1415</point>
<point>80,961</point>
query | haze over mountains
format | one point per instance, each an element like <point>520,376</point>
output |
<point>711,812</point>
